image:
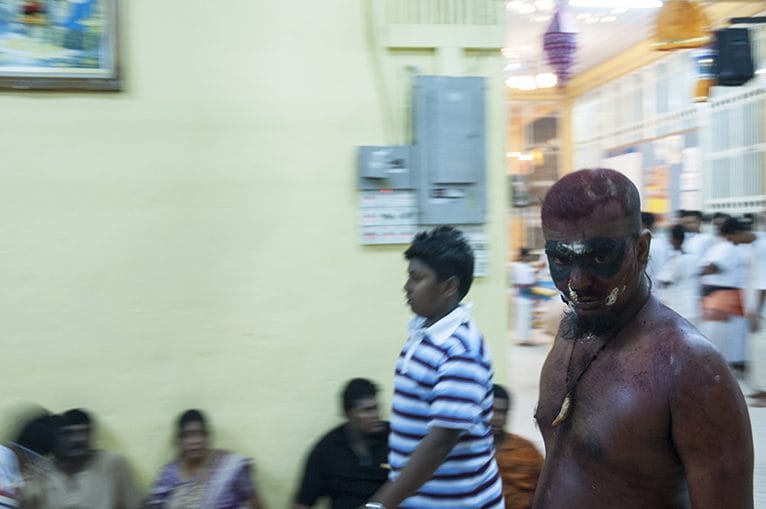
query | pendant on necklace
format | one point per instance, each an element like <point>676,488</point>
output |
<point>564,411</point>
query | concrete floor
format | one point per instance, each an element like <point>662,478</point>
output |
<point>524,364</point>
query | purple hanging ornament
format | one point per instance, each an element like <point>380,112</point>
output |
<point>560,44</point>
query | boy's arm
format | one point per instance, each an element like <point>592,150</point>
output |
<point>430,453</point>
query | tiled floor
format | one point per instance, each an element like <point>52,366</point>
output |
<point>524,364</point>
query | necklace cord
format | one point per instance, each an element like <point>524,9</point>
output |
<point>570,387</point>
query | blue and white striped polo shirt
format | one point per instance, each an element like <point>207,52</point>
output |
<point>444,379</point>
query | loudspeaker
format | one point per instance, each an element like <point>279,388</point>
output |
<point>734,63</point>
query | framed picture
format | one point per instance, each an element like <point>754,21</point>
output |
<point>59,44</point>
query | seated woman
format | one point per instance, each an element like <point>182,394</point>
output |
<point>203,478</point>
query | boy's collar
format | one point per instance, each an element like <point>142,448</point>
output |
<point>440,331</point>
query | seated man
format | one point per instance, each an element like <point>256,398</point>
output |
<point>518,460</point>
<point>85,477</point>
<point>349,463</point>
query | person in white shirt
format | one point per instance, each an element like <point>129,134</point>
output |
<point>658,250</point>
<point>696,244</point>
<point>756,313</point>
<point>523,278</point>
<point>24,468</point>
<point>10,478</point>
<point>723,270</point>
<point>676,281</point>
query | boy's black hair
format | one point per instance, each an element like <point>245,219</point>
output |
<point>446,251</point>
<point>355,390</point>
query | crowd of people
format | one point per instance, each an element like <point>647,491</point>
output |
<point>716,279</point>
<point>636,407</point>
<point>52,464</point>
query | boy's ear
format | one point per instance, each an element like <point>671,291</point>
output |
<point>451,286</point>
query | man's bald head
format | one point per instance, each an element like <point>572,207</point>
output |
<point>600,193</point>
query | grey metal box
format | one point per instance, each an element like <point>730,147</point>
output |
<point>449,151</point>
<point>385,167</point>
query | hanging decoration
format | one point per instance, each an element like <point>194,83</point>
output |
<point>560,44</point>
<point>681,24</point>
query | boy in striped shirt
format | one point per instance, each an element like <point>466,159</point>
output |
<point>441,448</point>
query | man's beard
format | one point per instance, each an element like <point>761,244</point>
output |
<point>573,326</point>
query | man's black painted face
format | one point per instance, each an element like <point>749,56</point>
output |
<point>600,256</point>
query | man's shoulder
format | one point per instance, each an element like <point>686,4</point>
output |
<point>677,345</point>
<point>332,438</point>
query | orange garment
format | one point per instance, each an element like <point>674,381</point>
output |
<point>520,464</point>
<point>720,304</point>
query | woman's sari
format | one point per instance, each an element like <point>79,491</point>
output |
<point>223,483</point>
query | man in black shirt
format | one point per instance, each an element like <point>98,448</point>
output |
<point>350,462</point>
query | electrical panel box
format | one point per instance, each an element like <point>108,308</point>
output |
<point>385,167</point>
<point>449,150</point>
<point>388,211</point>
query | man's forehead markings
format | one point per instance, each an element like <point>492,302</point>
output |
<point>577,247</point>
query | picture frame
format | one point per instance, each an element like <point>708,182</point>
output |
<point>59,45</point>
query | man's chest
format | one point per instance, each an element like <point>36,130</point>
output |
<point>346,470</point>
<point>609,405</point>
<point>86,489</point>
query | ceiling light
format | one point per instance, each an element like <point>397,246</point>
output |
<point>544,5</point>
<point>546,80</point>
<point>520,7</point>
<point>617,4</point>
<point>525,82</point>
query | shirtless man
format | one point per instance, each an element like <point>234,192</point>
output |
<point>637,409</point>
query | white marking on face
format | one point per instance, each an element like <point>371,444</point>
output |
<point>572,294</point>
<point>611,299</point>
<point>577,247</point>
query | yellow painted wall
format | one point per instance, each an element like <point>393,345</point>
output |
<point>192,241</point>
